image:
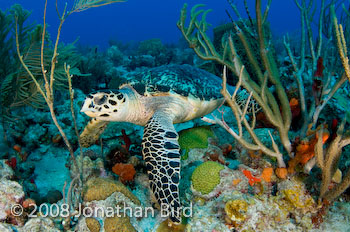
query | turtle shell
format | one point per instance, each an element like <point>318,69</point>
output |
<point>184,80</point>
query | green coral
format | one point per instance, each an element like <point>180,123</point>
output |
<point>206,176</point>
<point>196,137</point>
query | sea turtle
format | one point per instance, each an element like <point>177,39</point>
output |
<point>156,99</point>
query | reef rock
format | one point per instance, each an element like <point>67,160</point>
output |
<point>11,193</point>
<point>38,225</point>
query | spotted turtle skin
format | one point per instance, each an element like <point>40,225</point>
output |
<point>184,80</point>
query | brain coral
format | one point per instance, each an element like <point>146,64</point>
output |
<point>101,188</point>
<point>206,176</point>
<point>93,224</point>
<point>120,224</point>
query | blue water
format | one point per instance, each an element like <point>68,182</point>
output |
<point>137,20</point>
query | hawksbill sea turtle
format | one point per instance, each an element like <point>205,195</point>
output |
<point>157,99</point>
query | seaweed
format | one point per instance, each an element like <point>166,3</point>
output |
<point>5,42</point>
<point>17,87</point>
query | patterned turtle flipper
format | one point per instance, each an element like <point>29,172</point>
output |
<point>160,150</point>
<point>92,132</point>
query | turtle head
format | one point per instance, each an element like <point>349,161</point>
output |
<point>106,106</point>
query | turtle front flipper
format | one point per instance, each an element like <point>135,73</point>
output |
<point>92,132</point>
<point>160,150</point>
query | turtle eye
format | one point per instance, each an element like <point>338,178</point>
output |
<point>120,96</point>
<point>100,100</point>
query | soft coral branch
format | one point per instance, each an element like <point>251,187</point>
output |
<point>242,121</point>
<point>270,101</point>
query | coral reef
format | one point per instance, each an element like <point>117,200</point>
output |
<point>252,171</point>
<point>153,47</point>
<point>115,55</point>
<point>91,168</point>
<point>11,193</point>
<point>39,224</point>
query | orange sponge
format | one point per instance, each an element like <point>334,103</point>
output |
<point>126,172</point>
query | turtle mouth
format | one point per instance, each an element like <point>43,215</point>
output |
<point>89,109</point>
<point>90,113</point>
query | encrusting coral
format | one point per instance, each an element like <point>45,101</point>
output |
<point>297,200</point>
<point>164,227</point>
<point>101,188</point>
<point>236,211</point>
<point>196,137</point>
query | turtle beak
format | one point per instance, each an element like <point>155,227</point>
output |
<point>88,109</point>
<point>91,114</point>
